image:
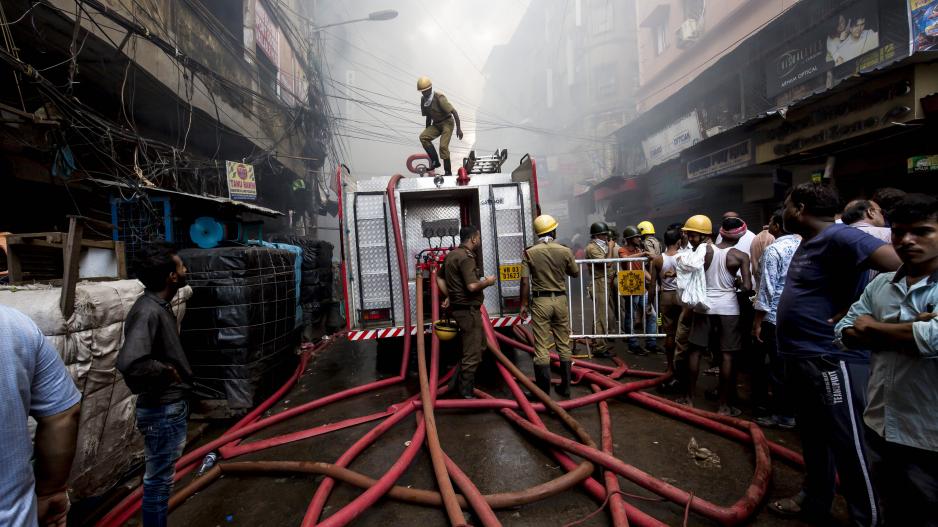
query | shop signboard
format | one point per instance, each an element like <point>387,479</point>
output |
<point>670,141</point>
<point>266,33</point>
<point>721,161</point>
<point>923,164</point>
<point>923,17</point>
<point>845,43</point>
<point>242,185</point>
<point>842,116</point>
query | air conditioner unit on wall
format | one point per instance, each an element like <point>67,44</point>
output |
<point>688,33</point>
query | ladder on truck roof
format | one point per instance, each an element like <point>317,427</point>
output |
<point>486,164</point>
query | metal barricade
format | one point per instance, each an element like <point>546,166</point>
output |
<point>597,305</point>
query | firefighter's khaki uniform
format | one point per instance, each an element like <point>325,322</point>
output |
<point>458,271</point>
<point>547,266</point>
<point>440,112</point>
<point>603,303</point>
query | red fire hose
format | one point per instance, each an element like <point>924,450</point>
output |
<point>616,503</point>
<point>504,500</point>
<point>433,439</point>
<point>592,486</point>
<point>472,493</point>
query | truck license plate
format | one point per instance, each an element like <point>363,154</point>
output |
<point>509,272</point>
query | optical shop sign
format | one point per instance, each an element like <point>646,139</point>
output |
<point>241,183</point>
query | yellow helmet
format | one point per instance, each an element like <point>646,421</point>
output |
<point>698,223</point>
<point>445,330</point>
<point>424,83</point>
<point>544,224</point>
<point>646,227</point>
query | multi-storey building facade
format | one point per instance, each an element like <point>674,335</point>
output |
<point>563,84</point>
<point>737,101</point>
<point>141,99</point>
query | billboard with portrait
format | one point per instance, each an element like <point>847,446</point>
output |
<point>841,44</point>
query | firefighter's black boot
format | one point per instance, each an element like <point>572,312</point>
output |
<point>542,377</point>
<point>447,168</point>
<point>564,389</point>
<point>465,391</point>
<point>434,159</point>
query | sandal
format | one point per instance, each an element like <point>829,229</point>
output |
<point>787,506</point>
<point>731,411</point>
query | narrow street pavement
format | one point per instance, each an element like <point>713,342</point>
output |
<point>497,456</point>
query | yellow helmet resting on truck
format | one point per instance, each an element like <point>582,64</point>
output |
<point>445,330</point>
<point>544,223</point>
<point>646,228</point>
<point>424,84</point>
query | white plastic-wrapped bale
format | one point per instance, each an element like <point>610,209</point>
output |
<point>88,342</point>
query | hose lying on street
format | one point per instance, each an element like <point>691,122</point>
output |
<point>518,410</point>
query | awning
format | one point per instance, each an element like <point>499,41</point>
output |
<point>242,205</point>
<point>612,186</point>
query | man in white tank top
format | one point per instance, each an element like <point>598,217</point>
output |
<point>721,322</point>
<point>669,303</point>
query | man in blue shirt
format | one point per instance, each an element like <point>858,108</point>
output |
<point>34,382</point>
<point>774,411</point>
<point>897,320</point>
<point>827,384</point>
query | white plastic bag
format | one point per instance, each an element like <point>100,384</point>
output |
<point>691,282</point>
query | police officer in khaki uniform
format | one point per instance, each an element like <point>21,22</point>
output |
<point>459,281</point>
<point>545,267</point>
<point>601,247</point>
<point>441,116</point>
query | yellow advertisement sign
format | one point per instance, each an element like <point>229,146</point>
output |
<point>241,182</point>
<point>509,272</point>
<point>631,283</point>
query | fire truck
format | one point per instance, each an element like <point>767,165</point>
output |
<point>430,211</point>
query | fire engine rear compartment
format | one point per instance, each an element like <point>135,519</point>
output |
<point>430,216</point>
<point>433,220</point>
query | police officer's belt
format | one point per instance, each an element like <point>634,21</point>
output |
<point>538,294</point>
<point>463,307</point>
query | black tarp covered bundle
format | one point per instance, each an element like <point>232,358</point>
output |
<point>316,283</point>
<point>239,332</point>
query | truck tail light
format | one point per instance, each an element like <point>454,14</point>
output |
<point>375,315</point>
<point>511,303</point>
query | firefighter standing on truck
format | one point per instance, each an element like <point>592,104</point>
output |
<point>545,267</point>
<point>459,282</point>
<point>604,315</point>
<point>441,116</point>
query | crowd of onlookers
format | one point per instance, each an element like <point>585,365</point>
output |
<point>832,308</point>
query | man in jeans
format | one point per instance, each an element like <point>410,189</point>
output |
<point>896,318</point>
<point>155,368</point>
<point>770,369</point>
<point>827,383</point>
